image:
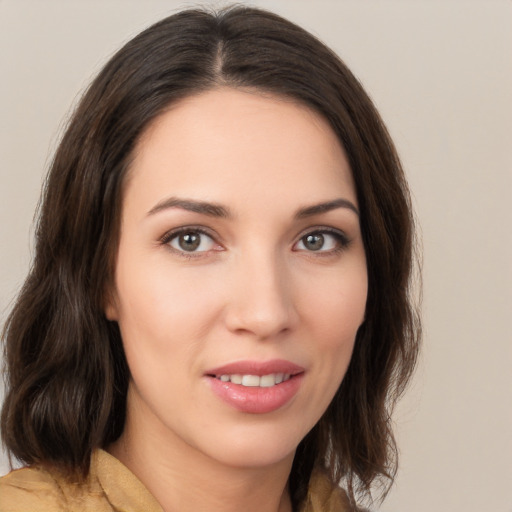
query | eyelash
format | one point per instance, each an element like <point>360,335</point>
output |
<point>171,235</point>
<point>340,237</point>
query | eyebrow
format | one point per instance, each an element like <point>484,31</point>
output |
<point>210,209</point>
<point>317,209</point>
<point>217,210</point>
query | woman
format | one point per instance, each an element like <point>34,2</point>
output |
<point>218,314</point>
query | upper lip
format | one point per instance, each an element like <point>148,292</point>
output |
<point>257,368</point>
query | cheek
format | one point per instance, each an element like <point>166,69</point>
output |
<point>162,315</point>
<point>338,309</point>
<point>167,317</point>
<point>156,296</point>
<point>334,322</point>
<point>335,317</point>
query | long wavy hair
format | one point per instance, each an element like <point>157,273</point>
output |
<point>66,374</point>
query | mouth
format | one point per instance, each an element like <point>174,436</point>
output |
<point>264,374</point>
<point>256,387</point>
<point>255,381</point>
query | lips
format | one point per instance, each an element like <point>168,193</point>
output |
<point>256,387</point>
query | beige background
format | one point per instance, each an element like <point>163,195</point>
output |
<point>441,74</point>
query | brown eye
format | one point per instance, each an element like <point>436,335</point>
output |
<point>325,241</point>
<point>313,242</point>
<point>191,241</point>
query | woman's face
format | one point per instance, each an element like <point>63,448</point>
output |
<point>241,277</point>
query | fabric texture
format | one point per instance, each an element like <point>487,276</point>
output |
<point>112,487</point>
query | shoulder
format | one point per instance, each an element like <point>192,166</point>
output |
<point>36,488</point>
<point>325,496</point>
<point>31,488</point>
<point>109,486</point>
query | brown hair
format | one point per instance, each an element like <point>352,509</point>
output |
<point>66,372</point>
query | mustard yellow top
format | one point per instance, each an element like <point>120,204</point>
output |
<point>112,487</point>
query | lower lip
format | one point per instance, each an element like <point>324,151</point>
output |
<point>256,400</point>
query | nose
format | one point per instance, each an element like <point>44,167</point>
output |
<point>262,300</point>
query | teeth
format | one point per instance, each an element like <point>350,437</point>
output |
<point>250,381</point>
<point>235,379</point>
<point>265,381</point>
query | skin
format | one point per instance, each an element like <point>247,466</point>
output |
<point>253,290</point>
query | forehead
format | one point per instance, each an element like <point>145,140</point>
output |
<point>228,143</point>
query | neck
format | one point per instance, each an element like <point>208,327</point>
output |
<point>182,478</point>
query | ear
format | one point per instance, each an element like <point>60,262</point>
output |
<point>110,307</point>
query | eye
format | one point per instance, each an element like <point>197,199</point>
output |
<point>190,241</point>
<point>322,241</point>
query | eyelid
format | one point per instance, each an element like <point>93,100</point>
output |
<point>339,234</point>
<point>173,233</point>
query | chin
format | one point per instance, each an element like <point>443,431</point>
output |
<point>253,457</point>
<point>254,448</point>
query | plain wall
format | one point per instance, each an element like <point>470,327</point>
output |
<point>441,74</point>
